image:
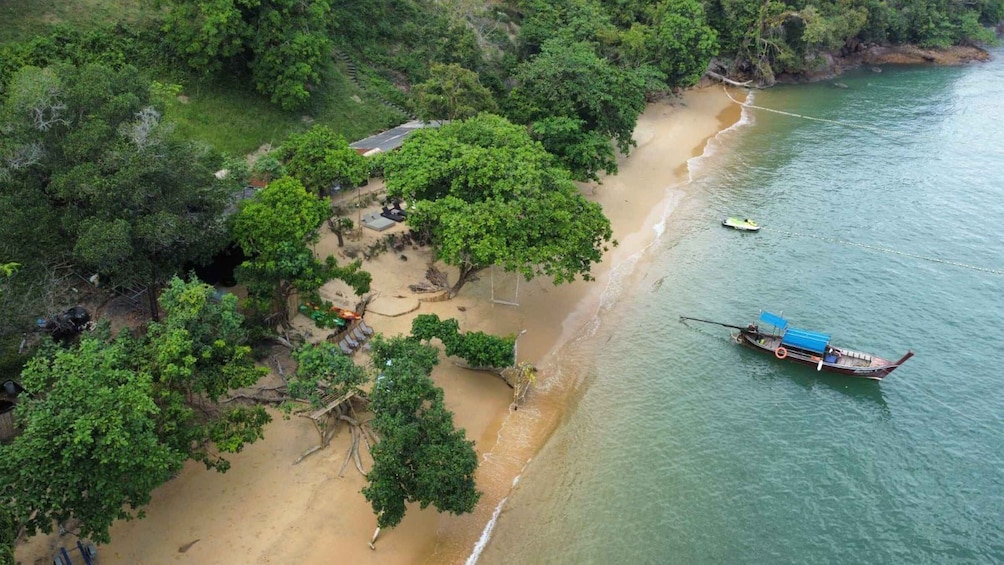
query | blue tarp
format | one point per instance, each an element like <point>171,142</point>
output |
<point>805,339</point>
<point>774,320</point>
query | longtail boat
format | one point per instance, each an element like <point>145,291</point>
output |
<point>809,348</point>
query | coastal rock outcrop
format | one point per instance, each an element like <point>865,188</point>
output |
<point>825,65</point>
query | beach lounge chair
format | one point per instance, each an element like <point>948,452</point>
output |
<point>345,348</point>
<point>357,334</point>
<point>365,329</point>
<point>351,342</point>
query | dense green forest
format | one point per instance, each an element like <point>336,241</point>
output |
<point>115,114</point>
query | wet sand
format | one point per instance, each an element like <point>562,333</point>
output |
<point>267,510</point>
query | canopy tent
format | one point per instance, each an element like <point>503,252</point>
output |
<point>807,340</point>
<point>774,320</point>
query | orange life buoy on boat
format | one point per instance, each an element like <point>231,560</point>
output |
<point>780,353</point>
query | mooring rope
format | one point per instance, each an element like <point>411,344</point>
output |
<point>851,243</point>
<point>888,250</point>
<point>872,129</point>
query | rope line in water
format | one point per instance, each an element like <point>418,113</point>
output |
<point>888,250</point>
<point>872,129</point>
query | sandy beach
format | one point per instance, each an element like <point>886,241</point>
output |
<point>265,509</point>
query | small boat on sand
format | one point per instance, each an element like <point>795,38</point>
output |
<point>741,224</point>
<point>810,348</point>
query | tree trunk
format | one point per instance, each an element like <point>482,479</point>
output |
<point>284,291</point>
<point>151,294</point>
<point>466,272</point>
<point>338,234</point>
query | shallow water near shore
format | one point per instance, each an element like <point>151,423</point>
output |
<point>883,226</point>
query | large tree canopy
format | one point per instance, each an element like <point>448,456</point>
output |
<point>421,457</point>
<point>675,39</point>
<point>284,43</point>
<point>96,176</point>
<point>600,100</point>
<point>275,229</point>
<point>452,93</point>
<point>89,449</point>
<point>490,195</point>
<point>320,158</point>
<point>107,421</point>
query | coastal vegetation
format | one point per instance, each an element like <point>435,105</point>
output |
<point>491,195</point>
<point>478,349</point>
<point>112,130</point>
<point>107,420</point>
<point>421,457</point>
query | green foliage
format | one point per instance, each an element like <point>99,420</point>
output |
<point>452,93</point>
<point>382,350</point>
<point>234,429</point>
<point>776,36</point>
<point>106,422</point>
<point>8,537</point>
<point>421,457</point>
<point>283,43</point>
<point>402,38</point>
<point>587,21</point>
<point>323,370</point>
<point>93,164</point>
<point>320,158</point>
<point>351,274</point>
<point>428,326</point>
<point>281,213</point>
<point>477,348</point>
<point>490,195</point>
<point>582,151</point>
<point>200,347</point>
<point>275,228</point>
<point>679,42</point>
<point>6,270</point>
<point>109,46</point>
<point>89,448</point>
<point>199,351</point>
<point>572,81</point>
<point>268,168</point>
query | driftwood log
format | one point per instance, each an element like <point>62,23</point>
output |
<point>726,80</point>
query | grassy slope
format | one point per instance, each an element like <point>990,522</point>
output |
<point>22,19</point>
<point>231,115</point>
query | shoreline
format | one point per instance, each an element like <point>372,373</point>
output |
<point>267,510</point>
<point>636,234</point>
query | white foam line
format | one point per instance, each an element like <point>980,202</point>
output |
<point>673,199</point>
<point>610,293</point>
<point>486,534</point>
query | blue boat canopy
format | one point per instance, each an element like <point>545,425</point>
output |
<point>774,320</point>
<point>804,339</point>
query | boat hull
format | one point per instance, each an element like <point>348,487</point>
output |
<point>841,361</point>
<point>740,225</point>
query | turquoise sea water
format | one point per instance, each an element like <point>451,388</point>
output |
<point>683,447</point>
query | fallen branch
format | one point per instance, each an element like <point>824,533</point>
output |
<point>369,432</point>
<point>278,368</point>
<point>355,454</point>
<point>282,341</point>
<point>348,455</point>
<point>254,397</point>
<point>726,80</point>
<point>310,451</point>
